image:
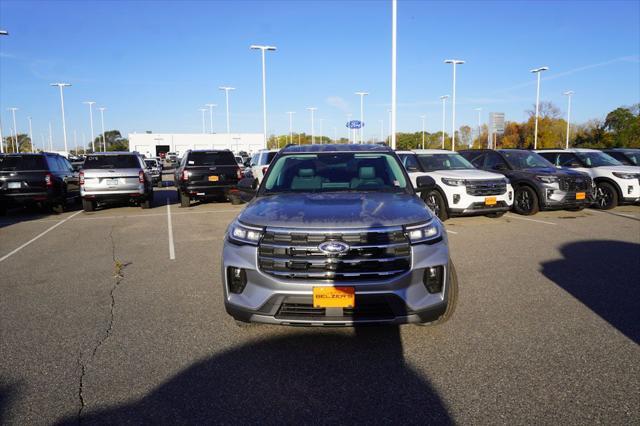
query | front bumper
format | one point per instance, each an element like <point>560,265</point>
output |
<point>462,204</point>
<point>557,199</point>
<point>399,300</point>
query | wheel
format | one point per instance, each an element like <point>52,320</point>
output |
<point>436,203</point>
<point>452,298</point>
<point>606,196</point>
<point>526,201</point>
<point>235,200</point>
<point>58,207</point>
<point>88,205</point>
<point>495,215</point>
<point>146,204</point>
<point>185,201</point>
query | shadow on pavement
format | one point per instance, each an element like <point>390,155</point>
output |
<point>312,376</point>
<point>605,276</point>
<point>17,215</point>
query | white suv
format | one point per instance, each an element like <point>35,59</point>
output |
<point>259,164</point>
<point>461,189</point>
<point>615,183</point>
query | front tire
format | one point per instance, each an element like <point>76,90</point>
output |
<point>88,205</point>
<point>452,299</point>
<point>185,201</point>
<point>526,201</point>
<point>436,203</point>
<point>606,196</point>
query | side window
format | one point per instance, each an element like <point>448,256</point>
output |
<point>620,157</point>
<point>66,164</point>
<point>477,160</point>
<point>566,159</point>
<point>552,157</point>
<point>52,164</point>
<point>254,159</point>
<point>184,159</point>
<point>494,162</point>
<point>60,166</point>
<point>411,163</point>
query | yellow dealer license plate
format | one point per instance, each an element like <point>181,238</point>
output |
<point>213,178</point>
<point>334,297</point>
<point>580,195</point>
<point>490,201</point>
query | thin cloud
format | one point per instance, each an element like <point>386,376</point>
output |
<point>338,102</point>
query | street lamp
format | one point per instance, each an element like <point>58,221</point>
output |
<point>362,95</point>
<point>4,33</point>
<point>537,71</point>
<point>349,130</point>
<point>31,135</point>
<point>424,118</point>
<point>394,30</point>
<point>320,120</point>
<point>568,94</point>
<point>93,144</point>
<point>64,125</point>
<point>15,129</point>
<point>381,130</point>
<point>104,142</point>
<point>211,107</point>
<point>454,62</point>
<point>479,112</point>
<point>291,125</point>
<point>204,129</point>
<point>226,93</point>
<point>444,101</point>
<point>263,49</point>
<point>313,140</point>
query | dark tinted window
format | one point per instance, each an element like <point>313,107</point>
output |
<point>270,157</point>
<point>566,159</point>
<point>525,160</point>
<point>20,162</point>
<point>475,158</point>
<point>552,157</point>
<point>410,163</point>
<point>150,163</point>
<point>62,164</point>
<point>211,158</point>
<point>431,162</point>
<point>493,161</point>
<point>123,161</point>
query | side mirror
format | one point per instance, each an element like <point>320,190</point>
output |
<point>247,188</point>
<point>425,183</point>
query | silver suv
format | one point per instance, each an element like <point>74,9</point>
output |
<point>115,177</point>
<point>336,235</point>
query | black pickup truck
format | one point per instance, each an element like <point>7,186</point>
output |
<point>207,174</point>
<point>46,180</point>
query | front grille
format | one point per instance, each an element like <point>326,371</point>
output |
<point>486,187</point>
<point>372,255</point>
<point>573,184</point>
<point>376,309</point>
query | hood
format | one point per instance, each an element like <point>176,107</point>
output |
<point>553,171</point>
<point>469,174</point>
<point>619,169</point>
<point>336,210</point>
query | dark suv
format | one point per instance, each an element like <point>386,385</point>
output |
<point>207,174</point>
<point>46,179</point>
<point>538,184</point>
<point>336,235</point>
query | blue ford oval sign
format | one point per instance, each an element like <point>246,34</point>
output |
<point>333,247</point>
<point>355,124</point>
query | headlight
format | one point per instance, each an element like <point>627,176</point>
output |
<point>453,182</point>
<point>243,234</point>
<point>548,179</point>
<point>428,232</point>
<point>623,175</point>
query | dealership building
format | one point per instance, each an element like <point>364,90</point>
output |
<point>152,144</point>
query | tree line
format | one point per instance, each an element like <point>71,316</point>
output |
<point>113,141</point>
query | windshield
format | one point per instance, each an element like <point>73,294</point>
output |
<point>150,163</point>
<point>211,158</point>
<point>597,159</point>
<point>331,172</point>
<point>431,162</point>
<point>111,162</point>
<point>525,160</point>
<point>19,162</point>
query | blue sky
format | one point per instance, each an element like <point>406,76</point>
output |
<point>154,64</point>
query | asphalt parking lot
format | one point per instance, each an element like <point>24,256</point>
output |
<point>116,316</point>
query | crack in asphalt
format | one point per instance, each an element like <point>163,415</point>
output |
<point>118,277</point>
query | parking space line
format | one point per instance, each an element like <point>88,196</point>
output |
<point>530,220</point>
<point>40,235</point>
<point>172,249</point>
<point>615,214</point>
<point>452,232</point>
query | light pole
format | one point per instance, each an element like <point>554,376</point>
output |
<point>313,139</point>
<point>479,112</point>
<point>389,111</point>
<point>15,129</point>
<point>75,141</point>
<point>104,142</point>
<point>204,129</point>
<point>31,135</point>
<point>4,33</point>
<point>424,118</point>
<point>64,125</point>
<point>93,144</point>
<point>263,49</point>
<point>349,131</point>
<point>50,138</point>
<point>320,120</point>
<point>381,130</point>
<point>537,71</point>
<point>226,95</point>
<point>291,125</point>
<point>444,101</point>
<point>568,94</point>
<point>454,62</point>
<point>211,107</point>
<point>362,95</point>
<point>394,30</point>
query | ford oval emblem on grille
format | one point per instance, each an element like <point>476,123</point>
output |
<point>333,247</point>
